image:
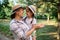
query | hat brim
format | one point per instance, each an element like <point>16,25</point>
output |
<point>30,9</point>
<point>17,9</point>
<point>14,11</point>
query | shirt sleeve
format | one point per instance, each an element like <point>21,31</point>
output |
<point>18,31</point>
<point>34,21</point>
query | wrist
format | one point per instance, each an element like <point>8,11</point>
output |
<point>33,28</point>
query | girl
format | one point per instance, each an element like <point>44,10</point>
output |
<point>29,19</point>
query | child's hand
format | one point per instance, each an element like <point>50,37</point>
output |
<point>37,26</point>
<point>41,25</point>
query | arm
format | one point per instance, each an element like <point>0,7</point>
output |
<point>30,32</point>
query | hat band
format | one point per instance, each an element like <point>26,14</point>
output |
<point>32,9</point>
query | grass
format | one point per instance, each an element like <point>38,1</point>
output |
<point>4,29</point>
<point>46,37</point>
<point>50,22</point>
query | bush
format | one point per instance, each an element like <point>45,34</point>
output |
<point>41,17</point>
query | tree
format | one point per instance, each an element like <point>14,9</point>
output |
<point>59,19</point>
<point>3,6</point>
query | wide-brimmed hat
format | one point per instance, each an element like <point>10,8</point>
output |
<point>14,9</point>
<point>32,8</point>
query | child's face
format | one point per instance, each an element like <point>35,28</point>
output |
<point>28,12</point>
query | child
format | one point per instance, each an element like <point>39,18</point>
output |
<point>29,19</point>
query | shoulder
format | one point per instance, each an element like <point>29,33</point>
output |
<point>13,25</point>
<point>24,17</point>
<point>12,21</point>
<point>34,19</point>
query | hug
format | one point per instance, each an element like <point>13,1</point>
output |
<point>24,28</point>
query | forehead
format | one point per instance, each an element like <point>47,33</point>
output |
<point>28,9</point>
<point>20,9</point>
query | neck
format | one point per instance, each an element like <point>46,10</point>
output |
<point>30,17</point>
<point>18,18</point>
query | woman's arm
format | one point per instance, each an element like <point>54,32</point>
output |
<point>30,32</point>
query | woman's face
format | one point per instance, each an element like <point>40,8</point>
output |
<point>28,12</point>
<point>20,12</point>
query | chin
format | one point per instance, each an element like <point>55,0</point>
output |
<point>21,16</point>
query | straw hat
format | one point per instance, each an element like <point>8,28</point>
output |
<point>15,8</point>
<point>33,8</point>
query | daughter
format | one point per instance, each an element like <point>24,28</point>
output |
<point>29,19</point>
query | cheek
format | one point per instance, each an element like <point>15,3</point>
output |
<point>28,14</point>
<point>21,14</point>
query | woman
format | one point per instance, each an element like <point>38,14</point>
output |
<point>19,29</point>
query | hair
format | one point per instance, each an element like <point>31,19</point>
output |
<point>31,11</point>
<point>13,15</point>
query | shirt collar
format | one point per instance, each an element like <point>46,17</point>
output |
<point>20,21</point>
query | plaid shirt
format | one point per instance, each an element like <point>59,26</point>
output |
<point>19,29</point>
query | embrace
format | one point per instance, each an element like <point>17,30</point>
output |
<point>24,28</point>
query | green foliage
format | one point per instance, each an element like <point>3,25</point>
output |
<point>46,37</point>
<point>41,16</point>
<point>4,9</point>
<point>43,7</point>
<point>47,29</point>
<point>4,28</point>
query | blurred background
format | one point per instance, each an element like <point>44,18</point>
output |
<point>47,13</point>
